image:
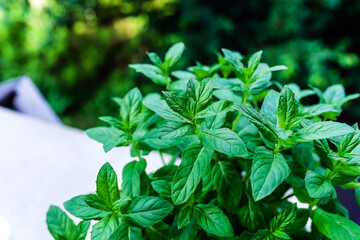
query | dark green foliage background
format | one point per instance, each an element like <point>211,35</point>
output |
<point>77,51</point>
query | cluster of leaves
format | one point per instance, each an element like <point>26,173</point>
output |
<point>246,149</point>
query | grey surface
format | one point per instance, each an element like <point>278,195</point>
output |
<point>26,98</point>
<point>43,163</point>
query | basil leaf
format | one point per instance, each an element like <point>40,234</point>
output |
<point>269,170</point>
<point>110,137</point>
<point>159,231</point>
<point>59,224</point>
<point>172,130</point>
<point>225,141</point>
<point>281,221</point>
<point>124,232</point>
<point>318,186</point>
<point>319,109</point>
<point>251,216</point>
<point>334,226</point>
<point>79,208</point>
<point>213,220</point>
<point>287,110</point>
<point>185,215</point>
<point>322,130</point>
<point>264,125</point>
<point>227,182</point>
<point>81,231</point>
<point>349,142</point>
<point>145,211</point>
<point>186,233</point>
<point>270,105</point>
<point>162,187</point>
<point>154,73</point>
<point>107,185</point>
<point>131,177</point>
<point>188,175</point>
<point>174,54</point>
<point>200,93</point>
<point>96,202</point>
<point>105,227</point>
<point>163,110</point>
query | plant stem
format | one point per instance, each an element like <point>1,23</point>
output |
<point>246,94</point>
<point>278,146</point>
<point>135,149</point>
<point>313,203</point>
<point>162,157</point>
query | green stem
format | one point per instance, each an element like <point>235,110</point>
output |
<point>278,146</point>
<point>313,203</point>
<point>256,105</point>
<point>246,94</point>
<point>136,150</point>
<point>162,157</point>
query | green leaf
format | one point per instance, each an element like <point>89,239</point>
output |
<point>174,53</point>
<point>103,229</point>
<point>270,105</point>
<point>195,158</point>
<point>131,177</point>
<point>145,211</point>
<point>159,231</point>
<point>163,110</point>
<point>318,186</point>
<point>323,150</point>
<point>186,233</point>
<point>110,137</point>
<point>79,208</point>
<point>269,170</point>
<point>155,59</point>
<point>96,202</point>
<point>122,204</point>
<point>322,130</point>
<point>152,72</point>
<point>213,220</point>
<point>152,140</point>
<point>124,232</point>
<point>350,142</point>
<point>234,58</point>
<point>81,231</point>
<point>130,107</point>
<point>227,182</point>
<point>281,221</point>
<point>185,215</point>
<point>334,94</point>
<point>334,226</point>
<point>287,110</point>
<point>262,234</point>
<point>107,185</point>
<point>319,109</point>
<point>162,187</point>
<point>59,224</point>
<point>225,141</point>
<point>265,126</point>
<point>254,61</point>
<point>176,103</point>
<point>200,93</point>
<point>171,130</point>
<point>251,216</point>
<point>214,109</point>
<point>351,167</point>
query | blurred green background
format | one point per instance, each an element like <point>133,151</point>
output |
<point>77,51</point>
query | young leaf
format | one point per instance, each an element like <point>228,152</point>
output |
<point>287,110</point>
<point>334,226</point>
<point>124,232</point>
<point>350,142</point>
<point>254,61</point>
<point>322,130</point>
<point>213,220</point>
<point>171,130</point>
<point>80,231</point>
<point>195,159</point>
<point>131,178</point>
<point>266,128</point>
<point>227,182</point>
<point>110,137</point>
<point>155,59</point>
<point>176,103</point>
<point>251,216</point>
<point>269,170</point>
<point>96,202</point>
<point>59,224</point>
<point>152,72</point>
<point>162,187</point>
<point>145,211</point>
<point>174,54</point>
<point>281,221</point>
<point>234,58</point>
<point>318,186</point>
<point>225,141</point>
<point>107,185</point>
<point>105,227</point>
<point>163,110</point>
<point>79,208</point>
<point>188,232</point>
<point>200,93</point>
<point>185,215</point>
<point>270,105</point>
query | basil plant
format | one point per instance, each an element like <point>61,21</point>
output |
<point>245,152</point>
